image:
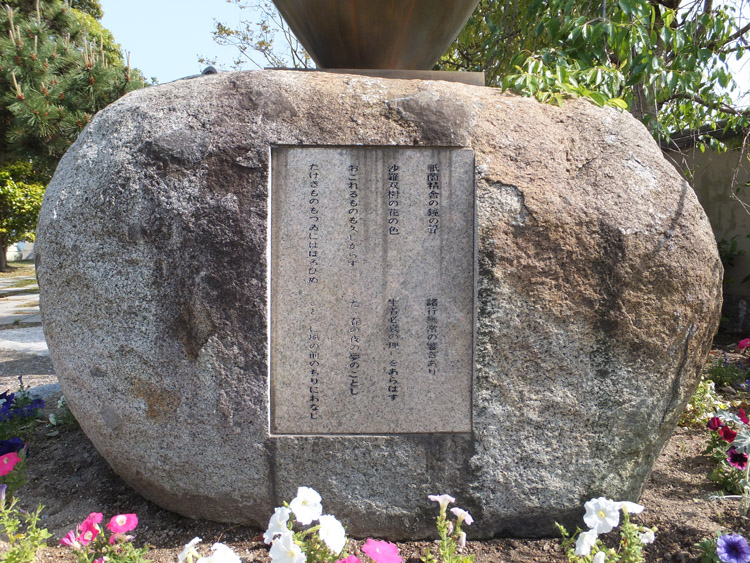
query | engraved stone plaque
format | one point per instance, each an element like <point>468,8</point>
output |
<point>372,290</point>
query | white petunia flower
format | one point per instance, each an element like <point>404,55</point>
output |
<point>462,540</point>
<point>631,507</point>
<point>221,554</point>
<point>443,500</point>
<point>647,537</point>
<point>598,558</point>
<point>585,542</point>
<point>189,550</point>
<point>602,514</point>
<point>306,505</point>
<point>462,516</point>
<point>277,524</point>
<point>284,550</point>
<point>332,533</point>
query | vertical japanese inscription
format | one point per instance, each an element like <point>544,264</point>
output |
<point>394,194</point>
<point>433,198</point>
<point>314,364</point>
<point>372,290</point>
<point>353,232</point>
<point>432,336</point>
<point>314,231</point>
<point>355,349</point>
<point>392,346</point>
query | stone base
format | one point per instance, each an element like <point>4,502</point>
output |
<point>463,77</point>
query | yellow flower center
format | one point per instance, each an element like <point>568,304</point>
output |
<point>601,514</point>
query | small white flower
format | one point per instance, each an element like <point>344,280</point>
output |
<point>462,516</point>
<point>306,505</point>
<point>221,554</point>
<point>189,550</point>
<point>647,537</point>
<point>444,501</point>
<point>585,542</point>
<point>277,524</point>
<point>598,558</point>
<point>602,514</point>
<point>284,550</point>
<point>462,540</point>
<point>631,507</point>
<point>332,533</point>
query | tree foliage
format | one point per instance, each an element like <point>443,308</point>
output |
<point>666,61</point>
<point>58,66</point>
<point>261,36</point>
<point>21,191</point>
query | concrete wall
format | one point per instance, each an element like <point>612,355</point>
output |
<point>716,178</point>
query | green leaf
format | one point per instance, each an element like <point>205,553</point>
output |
<point>742,442</point>
<point>598,98</point>
<point>637,70</point>
<point>678,40</point>
<point>620,103</point>
<point>668,17</point>
<point>665,34</point>
<point>724,78</point>
<point>704,54</point>
<point>672,80</point>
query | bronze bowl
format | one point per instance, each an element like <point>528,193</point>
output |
<point>376,34</point>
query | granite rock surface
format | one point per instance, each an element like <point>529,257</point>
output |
<point>598,293</point>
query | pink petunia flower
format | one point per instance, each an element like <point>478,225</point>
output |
<point>381,551</point>
<point>727,433</point>
<point>69,540</point>
<point>743,416</point>
<point>742,344</point>
<point>8,462</point>
<point>737,459</point>
<point>350,559</point>
<point>88,530</point>
<point>122,523</point>
<point>94,518</point>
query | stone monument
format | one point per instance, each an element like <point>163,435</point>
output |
<point>379,288</point>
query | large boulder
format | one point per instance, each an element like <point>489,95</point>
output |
<point>598,293</point>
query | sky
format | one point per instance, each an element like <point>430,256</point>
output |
<point>165,37</point>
